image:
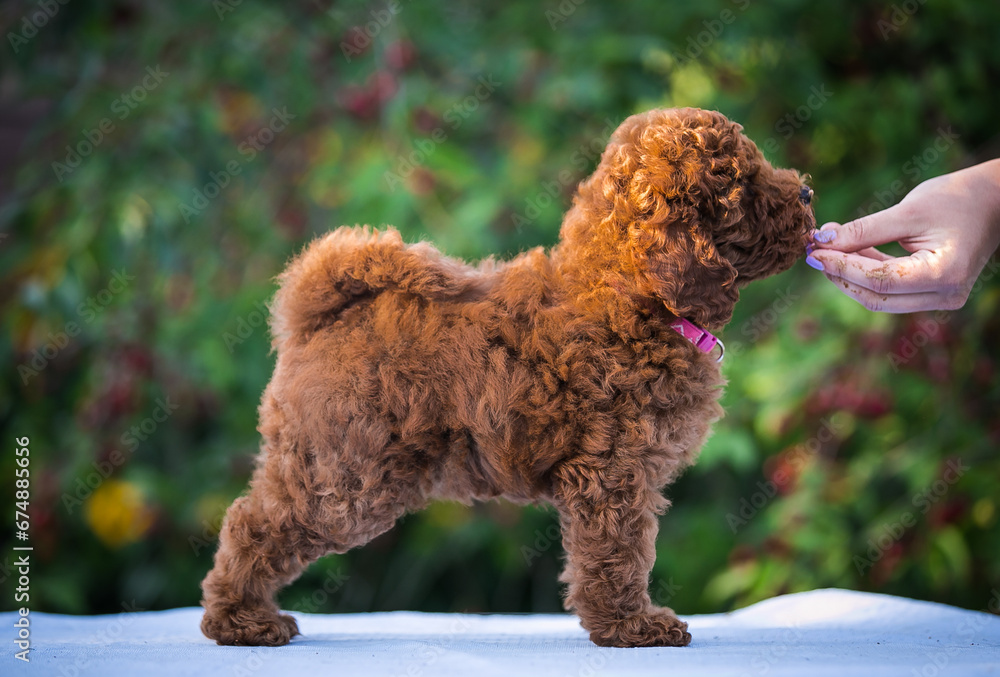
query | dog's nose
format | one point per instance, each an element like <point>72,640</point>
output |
<point>805,194</point>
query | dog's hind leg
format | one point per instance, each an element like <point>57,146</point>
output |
<point>298,509</point>
<point>259,551</point>
<point>609,523</point>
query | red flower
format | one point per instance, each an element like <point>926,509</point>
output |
<point>365,102</point>
<point>782,472</point>
<point>400,55</point>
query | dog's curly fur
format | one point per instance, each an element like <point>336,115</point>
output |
<point>403,375</point>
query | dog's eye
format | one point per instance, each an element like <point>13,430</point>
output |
<point>805,194</point>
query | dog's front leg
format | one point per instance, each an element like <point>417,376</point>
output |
<point>609,524</point>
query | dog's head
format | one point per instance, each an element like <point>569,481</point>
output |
<point>699,209</point>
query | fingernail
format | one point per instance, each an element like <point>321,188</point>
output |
<point>810,248</point>
<point>814,262</point>
<point>825,236</point>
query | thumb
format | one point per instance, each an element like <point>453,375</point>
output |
<point>868,231</point>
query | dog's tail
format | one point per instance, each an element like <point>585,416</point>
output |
<point>351,265</point>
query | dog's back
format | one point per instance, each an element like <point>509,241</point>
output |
<point>353,265</point>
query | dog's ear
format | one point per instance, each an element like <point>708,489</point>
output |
<point>680,266</point>
<point>673,182</point>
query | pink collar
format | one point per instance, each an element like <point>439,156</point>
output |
<point>702,340</point>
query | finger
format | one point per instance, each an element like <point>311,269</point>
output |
<point>891,303</point>
<point>882,227</point>
<point>902,275</point>
<point>873,253</point>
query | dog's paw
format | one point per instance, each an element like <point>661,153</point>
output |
<point>656,628</point>
<point>243,628</point>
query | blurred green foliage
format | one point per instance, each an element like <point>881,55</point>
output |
<point>175,155</point>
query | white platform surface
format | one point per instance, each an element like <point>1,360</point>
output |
<point>823,632</point>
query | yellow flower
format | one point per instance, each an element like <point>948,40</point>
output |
<point>117,513</point>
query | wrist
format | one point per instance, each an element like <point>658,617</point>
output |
<point>988,175</point>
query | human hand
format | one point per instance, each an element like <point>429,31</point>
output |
<point>950,225</point>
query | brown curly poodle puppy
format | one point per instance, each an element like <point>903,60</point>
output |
<point>403,375</point>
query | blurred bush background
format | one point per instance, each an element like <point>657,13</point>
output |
<point>161,162</point>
